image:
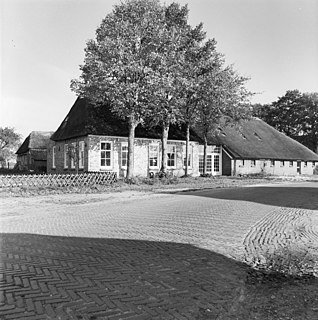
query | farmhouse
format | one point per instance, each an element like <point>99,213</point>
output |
<point>32,154</point>
<point>253,147</point>
<point>91,138</point>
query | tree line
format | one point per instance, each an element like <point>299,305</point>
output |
<point>295,114</point>
<point>152,68</point>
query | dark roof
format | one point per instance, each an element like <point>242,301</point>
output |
<point>255,139</point>
<point>84,119</point>
<point>35,140</point>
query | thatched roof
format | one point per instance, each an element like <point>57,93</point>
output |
<point>85,119</point>
<point>255,139</point>
<point>36,140</point>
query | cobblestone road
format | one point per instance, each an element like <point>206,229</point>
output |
<point>143,256</point>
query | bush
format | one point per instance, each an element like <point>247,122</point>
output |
<point>290,260</point>
<point>316,170</point>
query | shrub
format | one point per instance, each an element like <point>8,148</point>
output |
<point>290,260</point>
<point>316,170</point>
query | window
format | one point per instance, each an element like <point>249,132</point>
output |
<point>81,155</point>
<point>201,164</point>
<point>282,163</point>
<point>65,156</point>
<point>241,163</point>
<point>216,163</point>
<point>272,163</point>
<point>305,163</point>
<point>253,163</point>
<point>53,157</point>
<point>291,163</point>
<point>217,150</point>
<point>189,157</point>
<point>208,163</point>
<point>171,155</point>
<point>106,155</point>
<point>153,156</point>
<point>313,164</point>
<point>73,154</point>
<point>124,155</point>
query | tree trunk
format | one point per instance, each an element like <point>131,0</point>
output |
<point>164,141</point>
<point>187,149</point>
<point>205,148</point>
<point>131,144</point>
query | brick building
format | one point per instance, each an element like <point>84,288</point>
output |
<point>92,138</point>
<point>253,147</point>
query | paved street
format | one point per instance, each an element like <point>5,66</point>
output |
<point>144,256</point>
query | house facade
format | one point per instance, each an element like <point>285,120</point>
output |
<point>254,147</point>
<point>32,154</point>
<point>109,153</point>
<point>91,139</point>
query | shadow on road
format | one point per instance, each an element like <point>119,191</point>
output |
<point>293,197</point>
<point>89,278</point>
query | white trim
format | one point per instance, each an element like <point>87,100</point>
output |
<point>223,149</point>
<point>81,154</point>
<point>111,155</point>
<point>53,157</point>
<point>65,152</point>
<point>218,155</point>
<point>184,151</point>
<point>171,148</point>
<point>123,144</point>
<point>158,155</point>
<point>73,155</point>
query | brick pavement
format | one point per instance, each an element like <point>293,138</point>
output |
<point>132,257</point>
<point>45,277</point>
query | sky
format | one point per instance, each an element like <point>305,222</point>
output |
<point>273,42</point>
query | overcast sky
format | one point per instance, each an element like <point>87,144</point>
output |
<point>274,42</point>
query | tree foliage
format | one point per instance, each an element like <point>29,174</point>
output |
<point>9,141</point>
<point>295,114</point>
<point>150,66</point>
<point>119,64</point>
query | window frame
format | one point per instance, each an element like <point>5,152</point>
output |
<point>73,162</point>
<point>174,153</point>
<point>111,155</point>
<point>190,157</point>
<point>216,156</point>
<point>65,156</point>
<point>151,158</point>
<point>123,144</point>
<point>209,161</point>
<point>53,157</point>
<point>81,154</point>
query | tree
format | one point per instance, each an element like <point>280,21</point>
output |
<point>119,65</point>
<point>224,99</point>
<point>9,141</point>
<point>295,114</point>
<point>173,37</point>
<point>197,65</point>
